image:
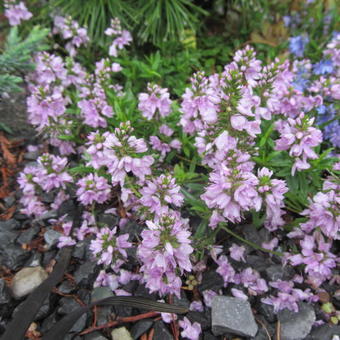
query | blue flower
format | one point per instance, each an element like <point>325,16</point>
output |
<point>331,133</point>
<point>323,67</point>
<point>325,113</point>
<point>297,45</point>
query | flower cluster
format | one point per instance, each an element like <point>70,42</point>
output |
<point>299,137</point>
<point>109,248</point>
<point>93,188</point>
<point>164,252</point>
<point>70,30</point>
<point>16,11</point>
<point>122,37</point>
<point>48,174</point>
<point>156,101</point>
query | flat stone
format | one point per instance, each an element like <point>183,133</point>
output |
<point>209,336</point>
<point>27,235</point>
<point>51,237</point>
<point>34,260</point>
<point>85,272</point>
<point>7,236</point>
<point>232,315</point>
<point>4,293</point>
<point>14,257</point>
<point>121,333</point>
<point>99,293</point>
<point>80,324</point>
<point>140,328</point>
<point>324,332</point>
<point>31,155</point>
<point>204,319</point>
<point>296,326</point>
<point>211,280</point>
<point>67,305</point>
<point>9,201</point>
<point>26,280</point>
<point>103,312</point>
<point>66,287</point>
<point>161,331</point>
<point>44,310</point>
<point>94,336</point>
<point>11,224</point>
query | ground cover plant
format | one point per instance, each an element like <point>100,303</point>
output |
<point>200,172</point>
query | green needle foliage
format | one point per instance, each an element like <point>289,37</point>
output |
<point>153,21</point>
<point>16,57</point>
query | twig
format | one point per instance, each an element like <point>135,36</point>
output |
<point>151,334</point>
<point>278,330</point>
<point>119,321</point>
<point>75,297</point>
<point>264,327</point>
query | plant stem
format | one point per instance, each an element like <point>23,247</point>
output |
<point>249,243</point>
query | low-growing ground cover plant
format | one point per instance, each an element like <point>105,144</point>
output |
<point>255,145</point>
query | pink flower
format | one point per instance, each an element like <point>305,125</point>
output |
<point>190,331</point>
<point>155,102</point>
<point>16,12</point>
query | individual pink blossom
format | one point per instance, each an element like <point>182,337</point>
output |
<point>155,103</point>
<point>237,252</point>
<point>190,331</point>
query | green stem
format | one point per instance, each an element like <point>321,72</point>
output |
<point>251,244</point>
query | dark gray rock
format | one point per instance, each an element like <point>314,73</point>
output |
<point>34,260</point>
<point>107,220</point>
<point>27,235</point>
<point>79,250</point>
<point>66,208</point>
<point>48,215</point>
<point>99,293</point>
<point>48,257</point>
<point>5,296</point>
<point>66,287</point>
<point>211,280</point>
<point>103,313</point>
<point>183,301</point>
<point>209,336</point>
<point>268,312</point>
<point>11,224</point>
<point>44,310</point>
<point>161,331</point>
<point>94,336</point>
<point>32,155</point>
<point>85,272</point>
<point>324,332</point>
<point>144,292</point>
<point>204,319</point>
<point>48,322</point>
<point>232,315</point>
<point>51,237</point>
<point>296,326</point>
<point>80,324</point>
<point>9,201</point>
<point>274,272</point>
<point>47,197</point>
<point>67,305</point>
<point>140,327</point>
<point>14,257</point>
<point>7,237</point>
<point>259,263</point>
